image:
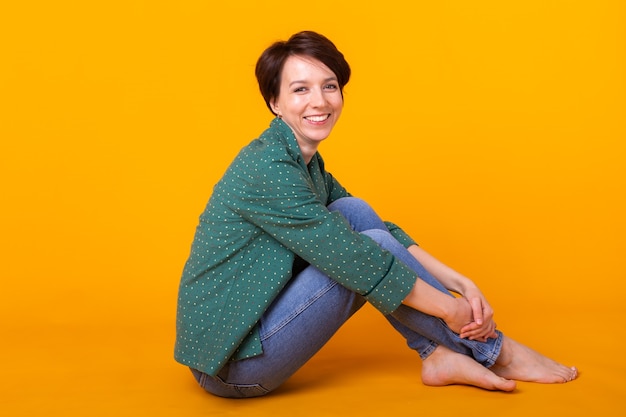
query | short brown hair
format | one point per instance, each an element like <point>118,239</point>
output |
<point>269,67</point>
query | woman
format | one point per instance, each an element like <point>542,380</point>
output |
<point>284,255</point>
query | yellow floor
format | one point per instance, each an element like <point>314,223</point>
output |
<point>123,370</point>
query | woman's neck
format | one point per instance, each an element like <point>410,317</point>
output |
<point>308,151</point>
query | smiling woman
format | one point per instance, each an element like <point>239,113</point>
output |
<point>311,76</point>
<point>310,103</point>
<point>284,255</point>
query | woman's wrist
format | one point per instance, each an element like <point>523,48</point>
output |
<point>451,310</point>
<point>460,314</point>
<point>464,285</point>
<point>431,301</point>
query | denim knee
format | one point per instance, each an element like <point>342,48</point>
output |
<point>380,236</point>
<point>358,212</point>
<point>351,206</point>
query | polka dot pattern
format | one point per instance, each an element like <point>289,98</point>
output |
<point>268,207</point>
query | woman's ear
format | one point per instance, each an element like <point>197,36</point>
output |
<point>275,108</point>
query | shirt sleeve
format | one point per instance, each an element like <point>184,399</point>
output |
<point>279,198</point>
<point>400,235</point>
<point>335,189</point>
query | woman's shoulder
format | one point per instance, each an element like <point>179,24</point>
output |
<point>273,145</point>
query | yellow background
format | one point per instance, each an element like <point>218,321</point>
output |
<point>492,131</point>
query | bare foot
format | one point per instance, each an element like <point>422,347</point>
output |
<point>519,362</point>
<point>445,367</point>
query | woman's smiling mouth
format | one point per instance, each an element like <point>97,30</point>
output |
<point>316,119</point>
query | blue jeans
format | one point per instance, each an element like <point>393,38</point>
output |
<point>312,307</point>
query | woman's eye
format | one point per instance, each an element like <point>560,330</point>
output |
<point>331,87</point>
<point>299,90</point>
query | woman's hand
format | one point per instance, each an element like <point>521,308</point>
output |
<point>482,326</point>
<point>460,316</point>
<point>470,316</point>
<point>481,333</point>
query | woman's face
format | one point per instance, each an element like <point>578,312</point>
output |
<point>310,101</point>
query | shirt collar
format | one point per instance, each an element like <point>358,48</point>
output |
<point>286,136</point>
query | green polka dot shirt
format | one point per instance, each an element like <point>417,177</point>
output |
<point>268,210</point>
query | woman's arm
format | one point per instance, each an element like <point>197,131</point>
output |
<point>482,325</point>
<point>450,278</point>
<point>456,312</point>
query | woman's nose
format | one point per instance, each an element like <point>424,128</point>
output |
<point>317,98</point>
